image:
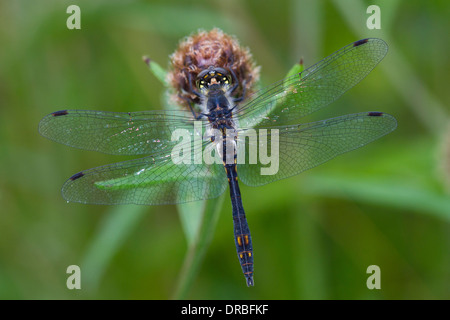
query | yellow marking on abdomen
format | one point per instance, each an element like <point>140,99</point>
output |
<point>249,254</point>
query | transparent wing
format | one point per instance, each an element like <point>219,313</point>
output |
<point>288,100</point>
<point>148,181</point>
<point>133,133</point>
<point>302,147</point>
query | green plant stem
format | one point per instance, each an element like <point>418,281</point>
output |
<point>156,69</point>
<point>198,247</point>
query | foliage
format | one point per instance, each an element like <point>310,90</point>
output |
<point>314,235</point>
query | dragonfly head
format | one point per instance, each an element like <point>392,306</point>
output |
<point>213,79</point>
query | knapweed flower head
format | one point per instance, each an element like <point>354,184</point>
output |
<point>203,50</point>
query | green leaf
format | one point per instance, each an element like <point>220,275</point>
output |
<point>166,173</point>
<point>156,69</point>
<point>386,192</point>
<point>191,215</point>
<point>296,68</point>
<point>117,226</point>
<point>199,242</point>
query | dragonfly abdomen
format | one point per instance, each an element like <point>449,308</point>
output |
<point>242,236</point>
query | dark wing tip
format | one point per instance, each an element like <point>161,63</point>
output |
<point>76,176</point>
<point>360,42</point>
<point>392,125</point>
<point>45,121</point>
<point>59,113</point>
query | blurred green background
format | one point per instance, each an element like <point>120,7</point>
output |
<point>314,235</point>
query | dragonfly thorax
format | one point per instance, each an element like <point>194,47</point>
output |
<point>217,102</point>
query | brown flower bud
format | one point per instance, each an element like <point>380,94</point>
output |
<point>203,50</point>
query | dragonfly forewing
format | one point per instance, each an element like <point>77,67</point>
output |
<point>288,100</point>
<point>119,133</point>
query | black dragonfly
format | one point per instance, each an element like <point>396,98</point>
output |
<point>225,122</point>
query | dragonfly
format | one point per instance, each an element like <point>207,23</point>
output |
<point>156,179</point>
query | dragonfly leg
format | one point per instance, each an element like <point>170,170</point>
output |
<point>191,88</point>
<point>235,81</point>
<point>244,89</point>
<point>189,103</point>
<point>236,84</point>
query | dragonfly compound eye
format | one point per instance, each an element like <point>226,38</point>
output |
<point>213,76</point>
